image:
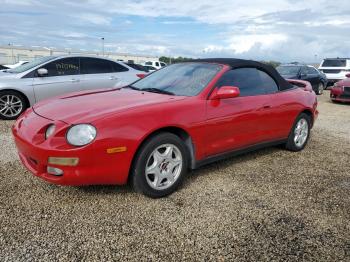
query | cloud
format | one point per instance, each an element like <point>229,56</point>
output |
<point>261,29</point>
<point>93,18</point>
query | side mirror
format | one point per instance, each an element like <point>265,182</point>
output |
<point>42,72</point>
<point>347,75</point>
<point>225,92</point>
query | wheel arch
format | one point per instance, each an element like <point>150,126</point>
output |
<point>310,114</point>
<point>21,93</point>
<point>180,132</point>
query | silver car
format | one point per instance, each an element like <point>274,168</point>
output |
<point>46,77</point>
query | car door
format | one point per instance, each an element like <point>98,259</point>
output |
<point>97,73</point>
<point>239,122</point>
<point>63,77</point>
<point>308,74</point>
<point>285,107</point>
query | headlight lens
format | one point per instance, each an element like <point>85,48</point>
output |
<point>81,135</point>
<point>49,131</point>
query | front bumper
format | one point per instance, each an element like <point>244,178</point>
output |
<point>95,165</point>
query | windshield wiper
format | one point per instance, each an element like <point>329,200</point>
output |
<point>132,87</point>
<point>156,90</point>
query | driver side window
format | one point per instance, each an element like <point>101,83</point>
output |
<point>250,81</point>
<point>63,67</point>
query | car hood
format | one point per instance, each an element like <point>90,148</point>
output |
<point>86,107</point>
<point>344,82</point>
<point>7,76</point>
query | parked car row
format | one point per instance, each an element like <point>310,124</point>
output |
<point>334,72</point>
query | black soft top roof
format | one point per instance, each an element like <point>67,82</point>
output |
<point>239,63</point>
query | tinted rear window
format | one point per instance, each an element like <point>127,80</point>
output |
<point>99,66</point>
<point>334,63</point>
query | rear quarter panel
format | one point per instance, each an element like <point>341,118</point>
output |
<point>288,104</point>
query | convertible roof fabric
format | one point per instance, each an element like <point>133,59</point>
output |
<point>239,63</point>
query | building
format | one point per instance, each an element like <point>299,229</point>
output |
<point>11,54</point>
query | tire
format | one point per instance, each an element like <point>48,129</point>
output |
<point>156,172</point>
<point>12,105</point>
<point>296,141</point>
<point>320,89</point>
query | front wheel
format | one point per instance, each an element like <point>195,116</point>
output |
<point>300,133</point>
<point>160,165</point>
<point>12,104</point>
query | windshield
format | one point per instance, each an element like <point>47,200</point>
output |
<point>30,65</point>
<point>186,79</point>
<point>288,70</point>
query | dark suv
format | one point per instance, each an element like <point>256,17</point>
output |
<point>317,79</point>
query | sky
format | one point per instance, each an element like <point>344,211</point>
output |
<point>280,30</point>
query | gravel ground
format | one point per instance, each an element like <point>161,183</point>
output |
<point>267,205</point>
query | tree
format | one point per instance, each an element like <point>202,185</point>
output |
<point>174,60</point>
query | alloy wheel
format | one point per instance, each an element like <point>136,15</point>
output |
<point>10,106</point>
<point>301,132</point>
<point>163,166</point>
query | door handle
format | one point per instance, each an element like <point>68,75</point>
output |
<point>113,78</point>
<point>265,107</point>
<point>75,80</point>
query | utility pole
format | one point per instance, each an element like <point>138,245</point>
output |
<point>12,57</point>
<point>103,46</point>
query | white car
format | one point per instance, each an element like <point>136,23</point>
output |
<point>155,64</point>
<point>17,64</point>
<point>335,68</point>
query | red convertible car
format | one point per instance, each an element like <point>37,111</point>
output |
<point>340,92</point>
<point>152,132</point>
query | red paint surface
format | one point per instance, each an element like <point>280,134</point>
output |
<point>126,118</point>
<point>338,90</point>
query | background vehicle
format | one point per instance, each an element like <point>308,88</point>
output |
<point>150,69</point>
<point>138,67</point>
<point>156,64</point>
<point>45,77</point>
<point>17,64</point>
<point>2,67</point>
<point>340,92</point>
<point>317,79</point>
<point>151,132</point>
<point>335,68</point>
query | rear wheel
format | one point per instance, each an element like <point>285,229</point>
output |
<point>160,165</point>
<point>300,133</point>
<point>12,104</point>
